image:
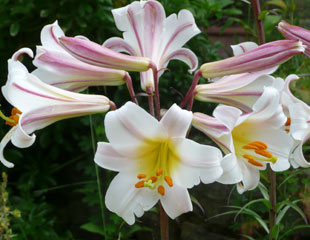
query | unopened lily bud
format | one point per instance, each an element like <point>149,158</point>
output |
<point>265,56</point>
<point>295,33</point>
<point>95,54</point>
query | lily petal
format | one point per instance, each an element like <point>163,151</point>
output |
<point>3,143</point>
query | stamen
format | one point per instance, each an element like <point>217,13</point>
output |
<point>288,122</point>
<point>159,172</point>
<point>259,144</point>
<point>287,130</point>
<point>15,111</point>
<point>264,153</point>
<point>141,176</point>
<point>169,181</point>
<point>153,179</point>
<point>252,161</point>
<point>249,146</point>
<point>161,190</point>
<point>139,184</point>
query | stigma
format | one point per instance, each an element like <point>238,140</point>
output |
<point>261,154</point>
<point>155,181</point>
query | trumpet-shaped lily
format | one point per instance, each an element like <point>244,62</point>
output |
<point>148,33</point>
<point>252,140</point>
<point>238,90</point>
<point>264,56</point>
<point>40,104</point>
<point>154,160</point>
<point>295,33</point>
<point>58,68</point>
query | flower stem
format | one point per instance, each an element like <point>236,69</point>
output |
<point>157,101</point>
<point>93,140</point>
<point>128,80</point>
<point>273,201</point>
<point>149,91</point>
<point>259,23</point>
<point>190,94</point>
<point>164,223</point>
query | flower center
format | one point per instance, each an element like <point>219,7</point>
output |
<point>158,161</point>
<point>13,119</point>
<point>260,153</point>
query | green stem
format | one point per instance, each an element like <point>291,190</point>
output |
<point>164,223</point>
<point>93,140</point>
<point>273,201</point>
<point>259,23</point>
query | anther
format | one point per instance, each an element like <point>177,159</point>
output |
<point>161,190</point>
<point>141,176</point>
<point>252,161</point>
<point>249,146</point>
<point>259,144</point>
<point>139,184</point>
<point>288,122</point>
<point>159,172</point>
<point>14,121</point>
<point>15,111</point>
<point>168,181</point>
<point>153,179</point>
<point>287,130</point>
<point>264,153</point>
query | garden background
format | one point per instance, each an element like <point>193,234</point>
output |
<point>54,183</point>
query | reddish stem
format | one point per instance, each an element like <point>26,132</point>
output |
<point>190,93</point>
<point>128,80</point>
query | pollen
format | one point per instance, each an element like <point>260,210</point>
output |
<point>258,144</point>
<point>169,181</point>
<point>161,190</point>
<point>140,184</point>
<point>141,176</point>
<point>288,122</point>
<point>15,111</point>
<point>252,161</point>
<point>14,121</point>
<point>264,153</point>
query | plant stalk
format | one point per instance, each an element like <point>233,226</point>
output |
<point>190,94</point>
<point>259,23</point>
<point>164,223</point>
<point>273,201</point>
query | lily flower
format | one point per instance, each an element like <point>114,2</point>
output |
<point>238,90</point>
<point>293,32</point>
<point>264,56</point>
<point>148,33</point>
<point>298,122</point>
<point>58,68</point>
<point>154,160</point>
<point>40,104</point>
<point>253,139</point>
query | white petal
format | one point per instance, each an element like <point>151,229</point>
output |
<point>3,143</point>
<point>250,178</point>
<point>176,201</point>
<point>119,45</point>
<point>227,115</point>
<point>231,170</point>
<point>106,157</point>
<point>197,162</point>
<point>300,115</point>
<point>298,155</point>
<point>126,200</point>
<point>129,127</point>
<point>49,36</point>
<point>176,121</point>
<point>243,47</point>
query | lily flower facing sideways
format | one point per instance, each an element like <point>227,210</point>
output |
<point>40,104</point>
<point>148,33</point>
<point>252,140</point>
<point>154,160</point>
<point>58,68</point>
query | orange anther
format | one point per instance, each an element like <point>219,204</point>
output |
<point>259,144</point>
<point>169,181</point>
<point>153,178</point>
<point>264,153</point>
<point>159,172</point>
<point>15,118</point>
<point>249,146</point>
<point>161,190</point>
<point>288,121</point>
<point>255,163</point>
<point>287,130</point>
<point>141,175</point>
<point>139,184</point>
<point>249,157</point>
<point>15,111</point>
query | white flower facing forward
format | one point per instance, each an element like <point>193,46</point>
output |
<point>58,68</point>
<point>148,33</point>
<point>40,104</point>
<point>154,160</point>
<point>238,90</point>
<point>252,139</point>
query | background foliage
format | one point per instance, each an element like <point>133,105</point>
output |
<point>54,183</point>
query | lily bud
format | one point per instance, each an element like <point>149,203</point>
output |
<point>95,54</point>
<point>295,33</point>
<point>265,56</point>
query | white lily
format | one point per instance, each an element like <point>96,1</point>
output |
<point>238,90</point>
<point>148,33</point>
<point>40,104</point>
<point>154,160</point>
<point>252,139</point>
<point>58,68</point>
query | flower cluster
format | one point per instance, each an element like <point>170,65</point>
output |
<point>258,123</point>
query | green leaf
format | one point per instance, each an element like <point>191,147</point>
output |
<point>293,229</point>
<point>14,29</point>
<point>296,172</point>
<point>278,3</point>
<point>194,200</point>
<point>263,14</point>
<point>275,231</point>
<point>263,191</point>
<point>91,227</point>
